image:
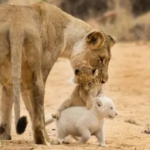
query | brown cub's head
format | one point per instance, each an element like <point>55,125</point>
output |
<point>85,77</point>
<point>94,51</point>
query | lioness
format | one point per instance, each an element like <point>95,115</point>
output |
<point>31,40</point>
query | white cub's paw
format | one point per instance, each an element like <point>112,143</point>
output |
<point>55,141</point>
<point>56,115</point>
<point>104,145</point>
<point>65,142</point>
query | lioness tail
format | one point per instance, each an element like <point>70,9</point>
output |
<point>16,36</point>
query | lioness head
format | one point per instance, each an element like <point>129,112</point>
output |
<point>94,51</point>
<point>105,107</point>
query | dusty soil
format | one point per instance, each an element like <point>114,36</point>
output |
<point>128,86</point>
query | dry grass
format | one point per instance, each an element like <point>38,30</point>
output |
<point>123,22</point>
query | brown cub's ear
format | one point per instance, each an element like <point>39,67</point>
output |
<point>111,40</point>
<point>95,40</point>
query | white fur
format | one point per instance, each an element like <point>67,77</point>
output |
<point>74,36</point>
<point>80,122</point>
<point>72,80</point>
<point>78,48</point>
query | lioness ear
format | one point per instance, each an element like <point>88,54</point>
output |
<point>111,40</point>
<point>95,40</point>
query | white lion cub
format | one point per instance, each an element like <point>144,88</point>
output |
<point>82,123</point>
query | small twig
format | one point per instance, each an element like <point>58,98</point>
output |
<point>131,121</point>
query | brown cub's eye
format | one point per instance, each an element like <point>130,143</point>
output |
<point>90,83</point>
<point>81,84</point>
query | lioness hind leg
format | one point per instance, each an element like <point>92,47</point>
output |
<point>38,120</point>
<point>31,105</point>
<point>36,89</point>
<point>6,102</point>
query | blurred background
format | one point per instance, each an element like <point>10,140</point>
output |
<point>127,20</point>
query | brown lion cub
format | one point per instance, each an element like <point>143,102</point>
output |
<point>81,96</point>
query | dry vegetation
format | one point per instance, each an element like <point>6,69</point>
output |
<point>126,20</point>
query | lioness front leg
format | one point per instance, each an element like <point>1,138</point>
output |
<point>6,102</point>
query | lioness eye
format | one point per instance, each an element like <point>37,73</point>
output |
<point>93,71</point>
<point>101,59</point>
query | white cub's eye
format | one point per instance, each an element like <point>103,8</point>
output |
<point>99,105</point>
<point>111,108</point>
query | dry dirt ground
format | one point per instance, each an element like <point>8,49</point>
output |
<point>128,86</point>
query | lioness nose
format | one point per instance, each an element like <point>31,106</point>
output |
<point>104,79</point>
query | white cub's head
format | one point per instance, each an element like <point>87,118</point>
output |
<point>105,107</point>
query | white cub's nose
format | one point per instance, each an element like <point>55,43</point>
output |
<point>116,113</point>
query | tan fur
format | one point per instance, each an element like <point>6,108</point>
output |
<point>31,40</point>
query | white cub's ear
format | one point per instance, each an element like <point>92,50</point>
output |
<point>73,80</point>
<point>98,102</point>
